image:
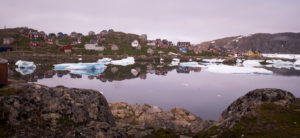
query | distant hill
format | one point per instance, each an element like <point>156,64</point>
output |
<point>288,43</point>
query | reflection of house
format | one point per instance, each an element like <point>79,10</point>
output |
<point>161,71</point>
<point>8,40</point>
<point>183,70</point>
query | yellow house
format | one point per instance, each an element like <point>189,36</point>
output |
<point>253,53</point>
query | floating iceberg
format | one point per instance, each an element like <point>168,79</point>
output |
<point>82,68</point>
<point>25,64</point>
<point>237,70</point>
<point>123,62</point>
<point>189,64</point>
<point>252,63</point>
<point>105,61</point>
<point>25,67</point>
<point>286,56</point>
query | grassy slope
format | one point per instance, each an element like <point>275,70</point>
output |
<point>272,121</point>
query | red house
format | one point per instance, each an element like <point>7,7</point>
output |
<point>35,44</point>
<point>66,49</point>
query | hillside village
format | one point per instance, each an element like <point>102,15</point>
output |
<point>106,42</point>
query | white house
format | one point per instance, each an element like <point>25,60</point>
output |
<point>135,43</point>
<point>93,47</point>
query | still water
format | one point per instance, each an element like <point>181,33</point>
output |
<point>204,93</point>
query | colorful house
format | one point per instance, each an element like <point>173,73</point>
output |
<point>8,40</point>
<point>66,49</point>
<point>253,53</point>
<point>35,44</point>
<point>75,41</point>
<point>183,49</point>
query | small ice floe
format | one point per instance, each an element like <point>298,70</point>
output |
<point>25,67</point>
<point>105,61</point>
<point>134,72</point>
<point>279,64</point>
<point>123,62</point>
<point>82,68</point>
<point>252,63</point>
<point>214,60</point>
<point>237,70</point>
<point>80,59</point>
<point>189,64</point>
<point>175,62</point>
<point>286,56</point>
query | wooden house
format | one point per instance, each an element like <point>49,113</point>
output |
<point>151,43</point>
<point>8,40</point>
<point>183,44</point>
<point>75,41</point>
<point>73,34</point>
<point>5,48</point>
<point>66,49</point>
<point>253,53</point>
<point>49,40</point>
<point>4,71</point>
<point>60,34</point>
<point>35,44</point>
<point>164,44</point>
<point>91,33</point>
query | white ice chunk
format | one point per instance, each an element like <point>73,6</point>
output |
<point>286,56</point>
<point>252,63</point>
<point>134,72</point>
<point>123,62</point>
<point>213,60</point>
<point>237,70</point>
<point>280,64</point>
<point>25,64</point>
<point>25,67</point>
<point>105,61</point>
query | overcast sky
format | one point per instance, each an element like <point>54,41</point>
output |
<point>176,20</point>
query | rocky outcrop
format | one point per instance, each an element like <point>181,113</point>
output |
<point>246,105</point>
<point>140,120</point>
<point>230,61</point>
<point>40,111</point>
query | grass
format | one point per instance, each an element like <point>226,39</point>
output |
<point>7,91</point>
<point>162,133</point>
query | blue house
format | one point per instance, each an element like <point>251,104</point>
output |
<point>60,34</point>
<point>183,49</point>
<point>5,48</point>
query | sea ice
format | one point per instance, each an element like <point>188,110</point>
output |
<point>105,61</point>
<point>297,62</point>
<point>252,63</point>
<point>175,62</point>
<point>279,64</point>
<point>286,56</point>
<point>237,70</point>
<point>213,60</point>
<point>123,62</point>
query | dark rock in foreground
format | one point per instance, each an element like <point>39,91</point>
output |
<point>246,105</point>
<point>40,111</point>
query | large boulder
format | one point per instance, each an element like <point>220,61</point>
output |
<point>246,105</point>
<point>140,120</point>
<point>40,111</point>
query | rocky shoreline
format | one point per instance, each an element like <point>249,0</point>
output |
<point>31,110</point>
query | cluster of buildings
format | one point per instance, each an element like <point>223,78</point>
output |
<point>7,41</point>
